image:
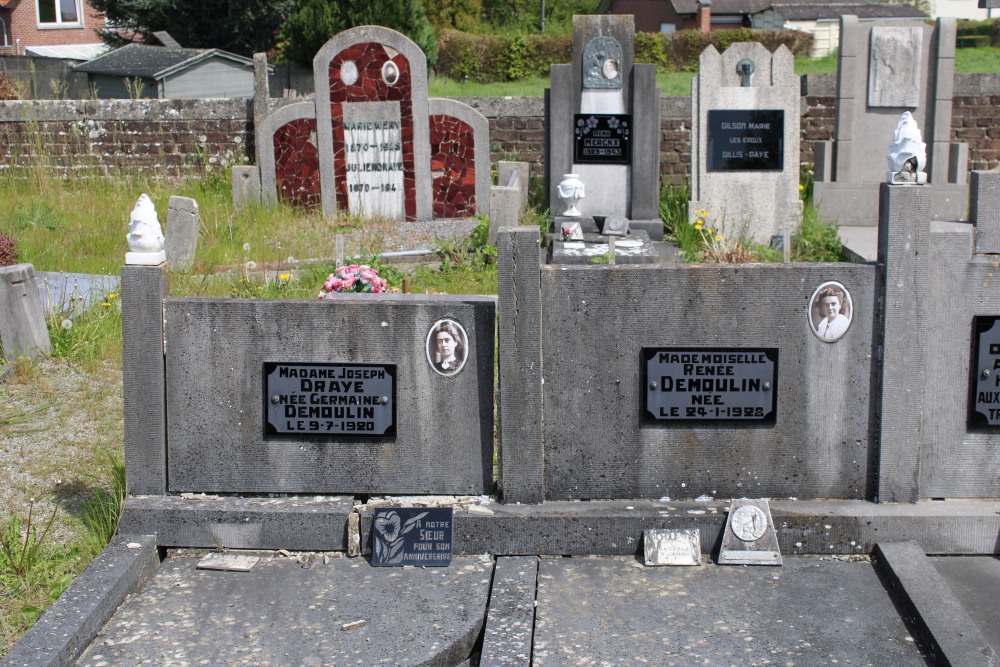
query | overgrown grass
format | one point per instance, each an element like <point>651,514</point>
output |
<point>817,241</point>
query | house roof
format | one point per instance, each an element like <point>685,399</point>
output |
<point>152,62</point>
<point>67,51</point>
<point>812,11</point>
<point>803,10</point>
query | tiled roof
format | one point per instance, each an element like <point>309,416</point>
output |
<point>803,10</point>
<point>138,60</point>
<point>812,11</point>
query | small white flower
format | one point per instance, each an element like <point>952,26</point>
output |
<point>251,265</point>
<point>67,324</point>
<point>246,247</point>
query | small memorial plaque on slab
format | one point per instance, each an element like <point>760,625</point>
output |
<point>984,401</point>
<point>412,536</point>
<point>602,138</point>
<point>711,384</point>
<point>751,140</point>
<point>316,399</point>
<point>671,547</point>
<point>750,538</point>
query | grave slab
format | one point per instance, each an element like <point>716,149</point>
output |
<point>594,249</point>
<point>975,581</point>
<point>507,641</point>
<point>288,614</point>
<point>615,611</point>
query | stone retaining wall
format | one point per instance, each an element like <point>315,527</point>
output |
<point>189,137</point>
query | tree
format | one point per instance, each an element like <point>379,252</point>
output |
<point>244,27</point>
<point>461,15</point>
<point>314,22</point>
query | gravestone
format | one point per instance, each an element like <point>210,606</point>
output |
<point>887,67</point>
<point>22,324</point>
<point>183,228</point>
<point>745,143</point>
<point>603,125</point>
<point>373,143</point>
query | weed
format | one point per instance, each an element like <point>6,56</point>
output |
<point>21,544</point>
<point>102,510</point>
<point>90,337</point>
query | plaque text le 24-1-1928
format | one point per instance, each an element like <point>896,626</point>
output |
<point>711,384</point>
<point>316,399</point>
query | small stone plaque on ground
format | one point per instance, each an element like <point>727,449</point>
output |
<point>746,140</point>
<point>228,562</point>
<point>412,536</point>
<point>984,401</point>
<point>750,538</point>
<point>662,546</point>
<point>319,399</point>
<point>711,384</point>
<point>602,138</point>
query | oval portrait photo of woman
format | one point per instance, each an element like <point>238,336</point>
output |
<point>447,347</point>
<point>830,311</point>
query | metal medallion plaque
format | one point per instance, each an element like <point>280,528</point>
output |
<point>412,536</point>
<point>602,138</point>
<point>686,384</point>
<point>750,537</point>
<point>984,401</point>
<point>317,399</point>
<point>751,140</point>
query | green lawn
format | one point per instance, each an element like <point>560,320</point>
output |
<point>678,84</point>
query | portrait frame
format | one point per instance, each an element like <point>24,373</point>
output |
<point>457,331</point>
<point>815,317</point>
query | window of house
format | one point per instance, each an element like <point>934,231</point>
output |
<point>667,28</point>
<point>59,13</point>
<point>4,34</point>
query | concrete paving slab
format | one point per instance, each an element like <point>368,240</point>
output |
<point>861,243</point>
<point>975,581</point>
<point>611,610</point>
<point>282,613</point>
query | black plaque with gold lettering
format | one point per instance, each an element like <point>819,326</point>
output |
<point>317,399</point>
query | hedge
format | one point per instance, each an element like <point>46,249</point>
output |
<point>491,58</point>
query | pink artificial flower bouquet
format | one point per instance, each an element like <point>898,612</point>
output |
<point>353,278</point>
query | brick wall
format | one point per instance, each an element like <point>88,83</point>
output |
<point>182,137</point>
<point>168,137</point>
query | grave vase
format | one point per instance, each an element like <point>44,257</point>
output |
<point>571,191</point>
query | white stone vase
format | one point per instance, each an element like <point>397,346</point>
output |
<point>571,191</point>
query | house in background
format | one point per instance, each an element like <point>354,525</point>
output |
<point>819,17</point>
<point>140,70</point>
<point>51,28</point>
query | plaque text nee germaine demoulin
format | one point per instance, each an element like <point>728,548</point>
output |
<point>750,140</point>
<point>329,399</point>
<point>711,384</point>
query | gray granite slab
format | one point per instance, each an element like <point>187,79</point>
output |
<point>284,614</point>
<point>975,581</point>
<point>812,611</point>
<point>636,248</point>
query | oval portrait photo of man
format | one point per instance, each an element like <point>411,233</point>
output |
<point>447,347</point>
<point>830,311</point>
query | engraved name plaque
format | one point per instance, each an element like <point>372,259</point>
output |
<point>412,536</point>
<point>711,384</point>
<point>984,401</point>
<point>746,140</point>
<point>314,399</point>
<point>602,138</point>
